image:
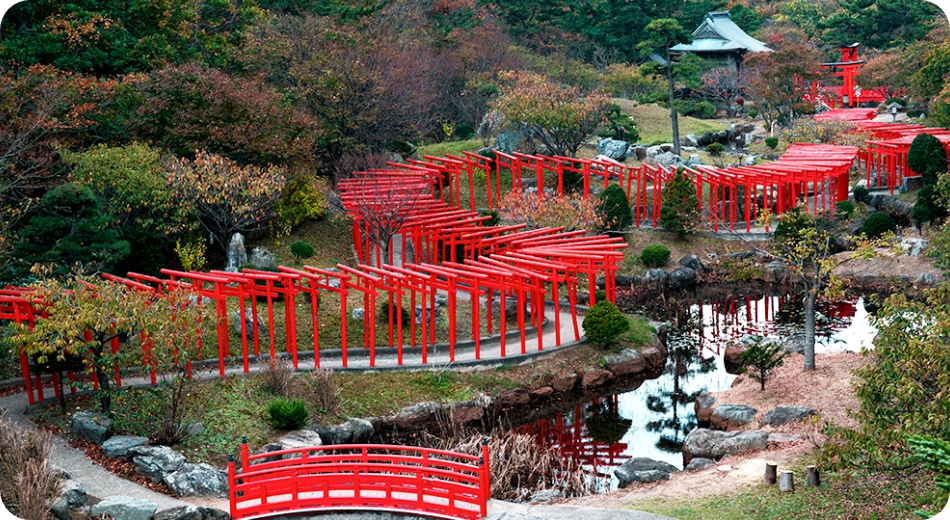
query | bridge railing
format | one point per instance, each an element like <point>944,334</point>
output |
<point>376,477</point>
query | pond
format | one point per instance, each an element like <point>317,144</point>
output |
<point>653,420</point>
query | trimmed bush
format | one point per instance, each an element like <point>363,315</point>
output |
<point>680,210</point>
<point>927,157</point>
<point>601,295</point>
<point>301,250</point>
<point>753,113</point>
<point>615,209</point>
<point>704,110</point>
<point>928,207</point>
<point>716,149</point>
<point>845,208</point>
<point>604,323</point>
<point>878,224</point>
<point>860,193</point>
<point>771,142</point>
<point>287,414</point>
<point>655,255</point>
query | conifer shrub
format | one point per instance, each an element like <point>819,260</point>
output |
<point>680,210</point>
<point>845,208</point>
<point>615,209</point>
<point>287,414</point>
<point>464,132</point>
<point>301,250</point>
<point>927,157</point>
<point>715,149</point>
<point>771,142</point>
<point>928,207</point>
<point>860,193</point>
<point>604,322</point>
<point>655,255</point>
<point>878,224</point>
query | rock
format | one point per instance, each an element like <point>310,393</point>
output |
<point>595,377</point>
<point>124,508</point>
<point>668,159</point>
<point>741,255</point>
<point>729,417</point>
<point>926,279</point>
<point>508,141</point>
<point>697,463</point>
<point>681,278</point>
<point>911,183</point>
<point>786,414</point>
<point>689,140</point>
<point>694,263</point>
<point>59,510</point>
<point>776,272</point>
<point>655,279</point>
<point>612,148</point>
<point>913,246</point>
<point>118,446</point>
<point>92,427</point>
<point>195,428</point>
<point>627,361</point>
<point>748,160</point>
<point>249,323</point>
<point>794,343</point>
<point>262,258</point>
<point>415,416</point>
<point>544,496</point>
<point>642,469</point>
<point>357,313</point>
<point>73,492</point>
<point>299,439</point>
<point>237,254</point>
<point>363,430</point>
<point>515,397</point>
<point>704,405</point>
<point>714,444</point>
<point>338,434</point>
<point>191,513</point>
<point>779,438</point>
<point>541,393</point>
<point>198,480</point>
<point>842,243</point>
<point>564,383</point>
<point>442,300</point>
<point>156,461</point>
<point>466,412</point>
<point>733,354</point>
<point>655,355</point>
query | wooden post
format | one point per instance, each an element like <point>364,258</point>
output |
<point>771,470</point>
<point>786,481</point>
<point>814,479</point>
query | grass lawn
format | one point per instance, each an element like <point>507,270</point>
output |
<point>653,122</point>
<point>846,494</point>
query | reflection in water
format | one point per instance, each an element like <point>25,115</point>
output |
<point>653,420</point>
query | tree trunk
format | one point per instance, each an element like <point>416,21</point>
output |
<point>105,391</point>
<point>673,118</point>
<point>786,481</point>
<point>771,472</point>
<point>811,294</point>
<point>814,480</point>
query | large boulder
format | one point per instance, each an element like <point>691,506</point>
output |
<point>73,492</point>
<point>300,439</point>
<point>263,258</point>
<point>627,361</point>
<point>794,343</point>
<point>655,279</point>
<point>698,463</point>
<point>787,414</point>
<point>156,461</point>
<point>363,430</point>
<point>467,411</point>
<point>564,382</point>
<point>337,434</point>
<point>777,272</point>
<point>198,480</point>
<point>192,513</point>
<point>693,262</point>
<point>612,148</point>
<point>249,323</point>
<point>729,417</point>
<point>681,278</point>
<point>715,444</point>
<point>509,141</point>
<point>92,427</point>
<point>642,469</point>
<point>237,253</point>
<point>668,159</point>
<point>416,416</point>
<point>704,405</point>
<point>595,377</point>
<point>124,508</point>
<point>118,446</point>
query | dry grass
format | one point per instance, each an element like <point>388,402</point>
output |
<point>318,389</point>
<point>278,374</point>
<point>26,480</point>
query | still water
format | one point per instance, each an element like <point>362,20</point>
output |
<point>653,420</point>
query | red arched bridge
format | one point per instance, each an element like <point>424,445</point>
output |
<point>417,481</point>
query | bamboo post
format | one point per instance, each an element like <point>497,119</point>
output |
<point>786,481</point>
<point>771,470</point>
<point>814,479</point>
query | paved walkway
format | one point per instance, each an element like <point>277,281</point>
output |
<point>99,482</point>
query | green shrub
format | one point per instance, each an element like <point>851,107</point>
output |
<point>927,157</point>
<point>403,148</point>
<point>860,193</point>
<point>716,149</point>
<point>845,208</point>
<point>287,414</point>
<point>601,295</point>
<point>604,322</point>
<point>928,207</point>
<point>464,132</point>
<point>301,250</point>
<point>615,209</point>
<point>655,255</point>
<point>760,359</point>
<point>680,210</point>
<point>878,224</point>
<point>384,312</point>
<point>704,110</point>
<point>900,101</point>
<point>493,220</point>
<point>753,113</point>
<point>301,201</point>
<point>771,142</point>
<point>934,454</point>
